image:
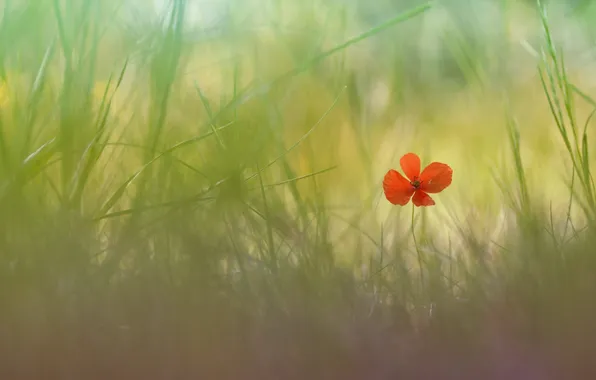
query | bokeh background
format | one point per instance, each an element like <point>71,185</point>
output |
<point>194,188</point>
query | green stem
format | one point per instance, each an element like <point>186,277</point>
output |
<point>419,254</point>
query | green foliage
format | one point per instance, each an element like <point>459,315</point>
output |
<point>176,195</point>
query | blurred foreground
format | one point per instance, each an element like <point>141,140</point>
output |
<point>192,189</point>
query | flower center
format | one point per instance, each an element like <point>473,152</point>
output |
<point>415,183</point>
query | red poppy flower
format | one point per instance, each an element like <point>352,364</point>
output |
<point>433,179</point>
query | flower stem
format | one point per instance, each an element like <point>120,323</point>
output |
<point>419,254</point>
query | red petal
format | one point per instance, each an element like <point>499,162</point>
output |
<point>397,189</point>
<point>435,177</point>
<point>422,199</point>
<point>410,164</point>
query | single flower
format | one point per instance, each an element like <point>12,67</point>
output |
<point>433,179</point>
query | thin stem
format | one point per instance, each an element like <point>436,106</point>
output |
<point>419,254</point>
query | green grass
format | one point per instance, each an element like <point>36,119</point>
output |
<point>181,199</point>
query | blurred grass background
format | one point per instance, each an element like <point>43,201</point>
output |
<point>192,189</point>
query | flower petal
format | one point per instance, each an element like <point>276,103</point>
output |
<point>410,164</point>
<point>397,188</point>
<point>435,177</point>
<point>422,199</point>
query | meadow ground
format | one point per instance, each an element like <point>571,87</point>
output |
<point>193,189</point>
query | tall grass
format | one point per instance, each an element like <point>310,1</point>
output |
<point>182,198</point>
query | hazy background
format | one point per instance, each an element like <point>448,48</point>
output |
<point>185,183</point>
